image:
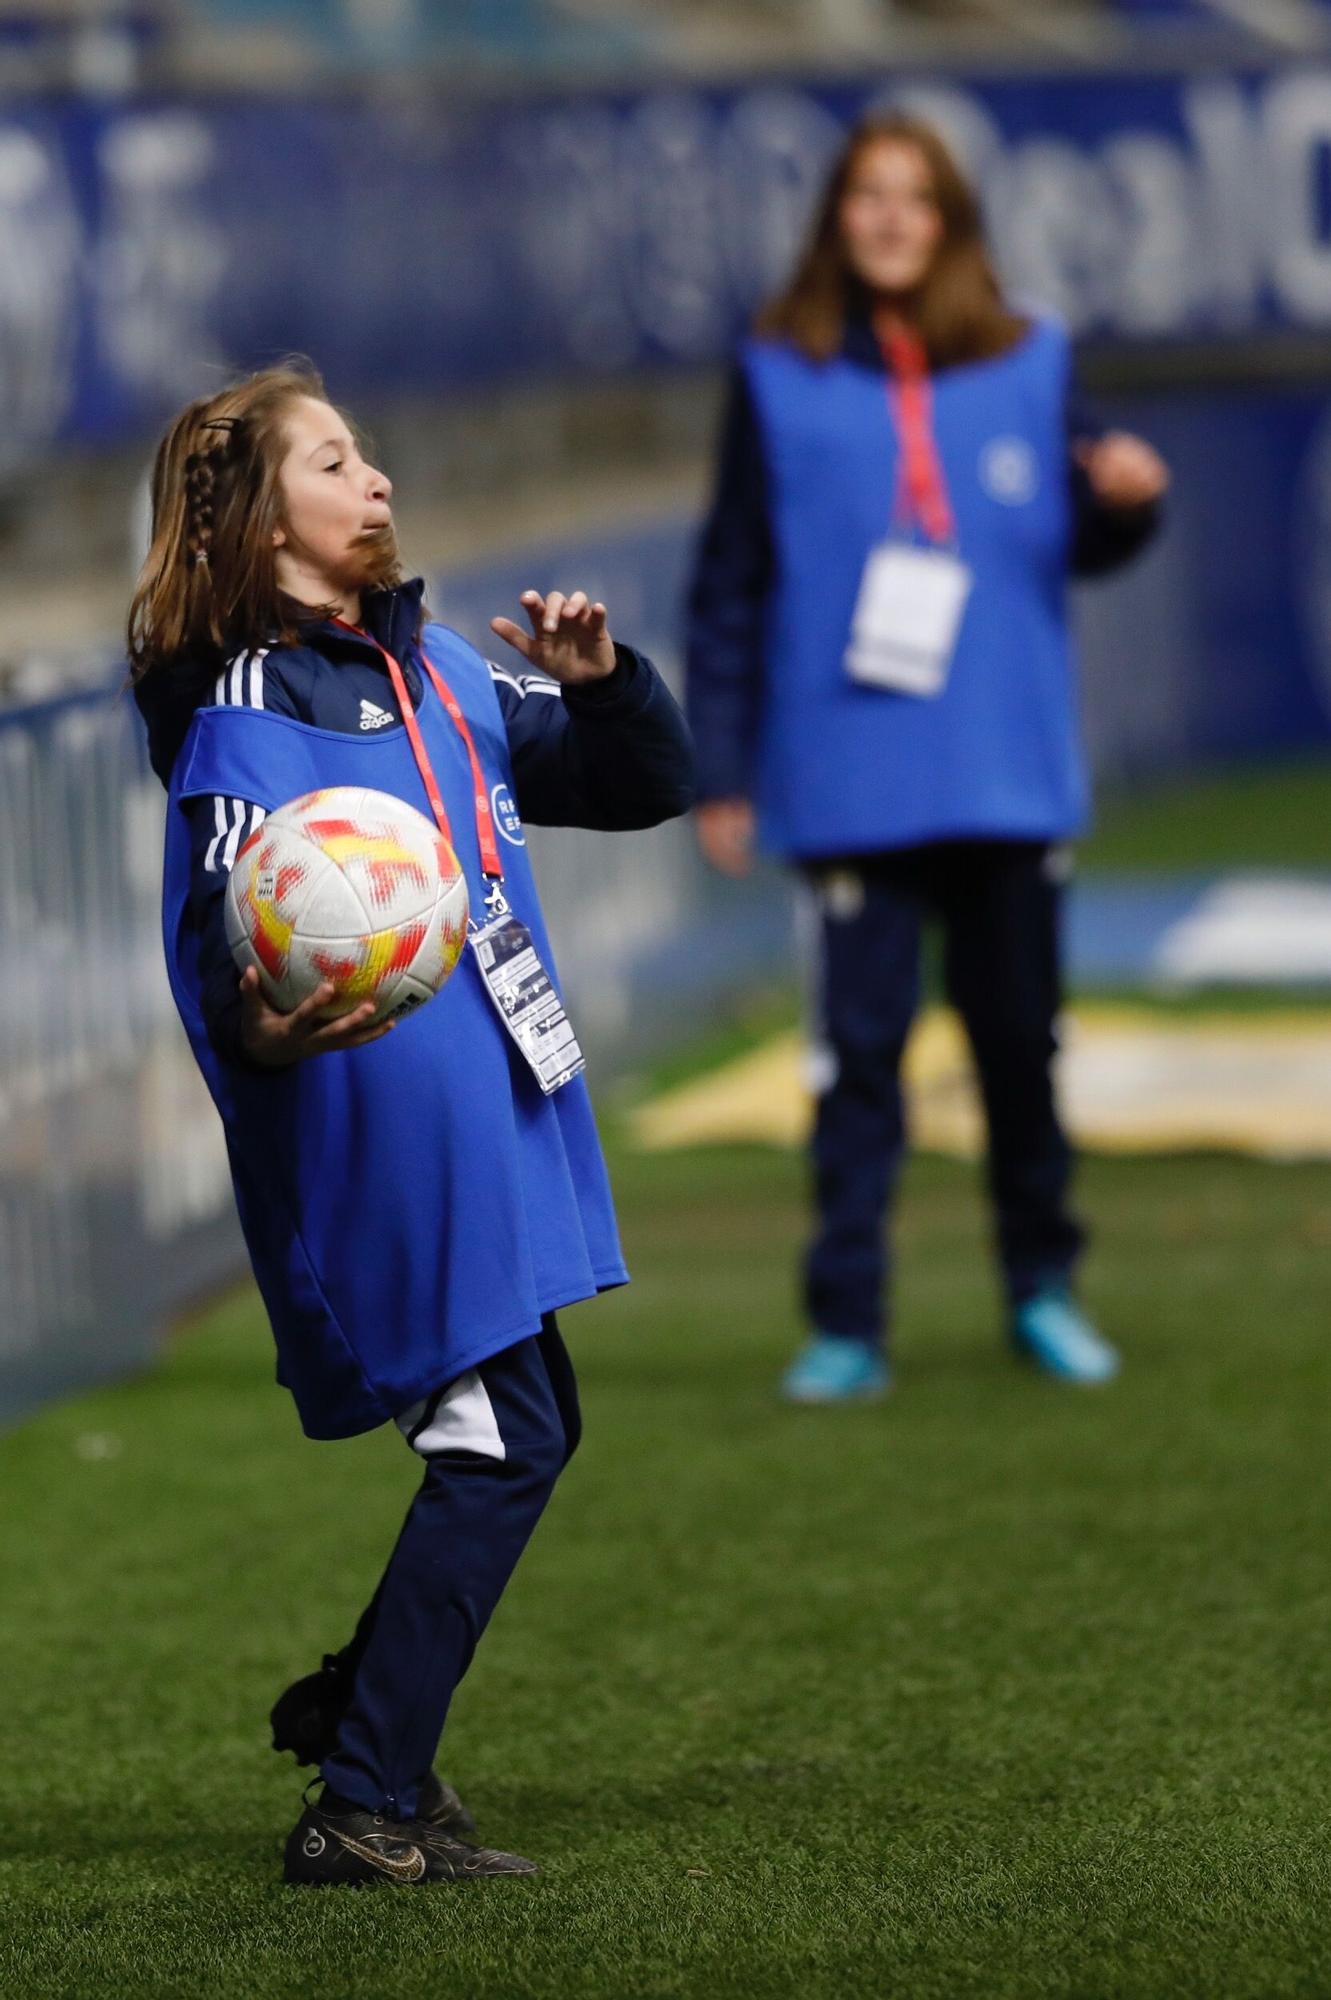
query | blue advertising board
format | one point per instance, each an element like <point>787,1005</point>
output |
<point>1216,646</point>
<point>418,244</point>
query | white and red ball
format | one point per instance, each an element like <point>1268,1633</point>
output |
<point>350,886</point>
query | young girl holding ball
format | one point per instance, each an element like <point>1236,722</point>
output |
<point>417,1206</point>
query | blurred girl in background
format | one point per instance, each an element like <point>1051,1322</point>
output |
<point>882,691</point>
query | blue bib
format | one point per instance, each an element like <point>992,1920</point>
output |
<point>416,1205</point>
<point>845,768</point>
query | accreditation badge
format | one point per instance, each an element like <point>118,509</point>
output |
<point>525,998</point>
<point>907,618</point>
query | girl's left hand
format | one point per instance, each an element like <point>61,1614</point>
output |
<point>568,638</point>
<point>1124,471</point>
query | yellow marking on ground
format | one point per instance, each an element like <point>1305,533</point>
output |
<point>1131,1080</point>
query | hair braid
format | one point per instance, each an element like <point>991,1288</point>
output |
<point>219,450</point>
<point>199,483</point>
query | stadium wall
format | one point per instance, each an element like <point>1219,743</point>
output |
<point>409,241</point>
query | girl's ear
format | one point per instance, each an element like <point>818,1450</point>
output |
<point>279,537</point>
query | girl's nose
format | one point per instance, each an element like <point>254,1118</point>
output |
<point>380,486</point>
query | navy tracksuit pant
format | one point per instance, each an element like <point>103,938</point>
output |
<point>494,1443</point>
<point>999,905</point>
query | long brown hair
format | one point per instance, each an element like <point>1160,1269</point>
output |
<point>959,310</point>
<point>208,588</point>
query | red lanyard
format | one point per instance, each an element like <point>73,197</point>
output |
<point>922,490</point>
<point>491,865</point>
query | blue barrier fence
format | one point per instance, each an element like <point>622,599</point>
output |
<point>114,1193</point>
<point>410,243</point>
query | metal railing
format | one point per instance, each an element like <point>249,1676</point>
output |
<point>114,1192</point>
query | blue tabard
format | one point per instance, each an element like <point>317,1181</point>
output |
<point>415,1205</point>
<point>844,768</point>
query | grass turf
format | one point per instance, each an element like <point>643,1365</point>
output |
<point>995,1689</point>
<point>1255,816</point>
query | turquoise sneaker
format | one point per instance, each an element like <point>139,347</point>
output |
<point>832,1369</point>
<point>1052,1331</point>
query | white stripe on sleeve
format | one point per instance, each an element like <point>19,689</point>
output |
<point>238,818</point>
<point>498,673</point>
<point>523,684</point>
<point>240,683</point>
<point>219,818</point>
<point>236,821</point>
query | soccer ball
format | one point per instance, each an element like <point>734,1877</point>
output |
<point>350,886</point>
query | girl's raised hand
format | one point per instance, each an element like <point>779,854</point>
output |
<point>568,638</point>
<point>1124,471</point>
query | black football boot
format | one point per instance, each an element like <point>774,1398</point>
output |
<point>305,1719</point>
<point>337,1842</point>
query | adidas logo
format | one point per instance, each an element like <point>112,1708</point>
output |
<point>372,716</point>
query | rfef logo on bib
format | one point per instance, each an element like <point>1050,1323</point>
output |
<point>1009,471</point>
<point>506,816</point>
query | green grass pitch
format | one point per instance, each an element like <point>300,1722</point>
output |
<point>996,1689</point>
<point>1254,815</point>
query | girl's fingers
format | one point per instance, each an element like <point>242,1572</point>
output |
<point>311,1004</point>
<point>534,605</point>
<point>334,1036</point>
<point>554,608</point>
<point>355,1029</point>
<point>258,1010</point>
<point>514,635</point>
<point>285,1038</point>
<point>1125,452</point>
<point>1148,466</point>
<point>348,1031</point>
<point>597,620</point>
<point>577,605</point>
<point>1128,472</point>
<point>345,1025</point>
